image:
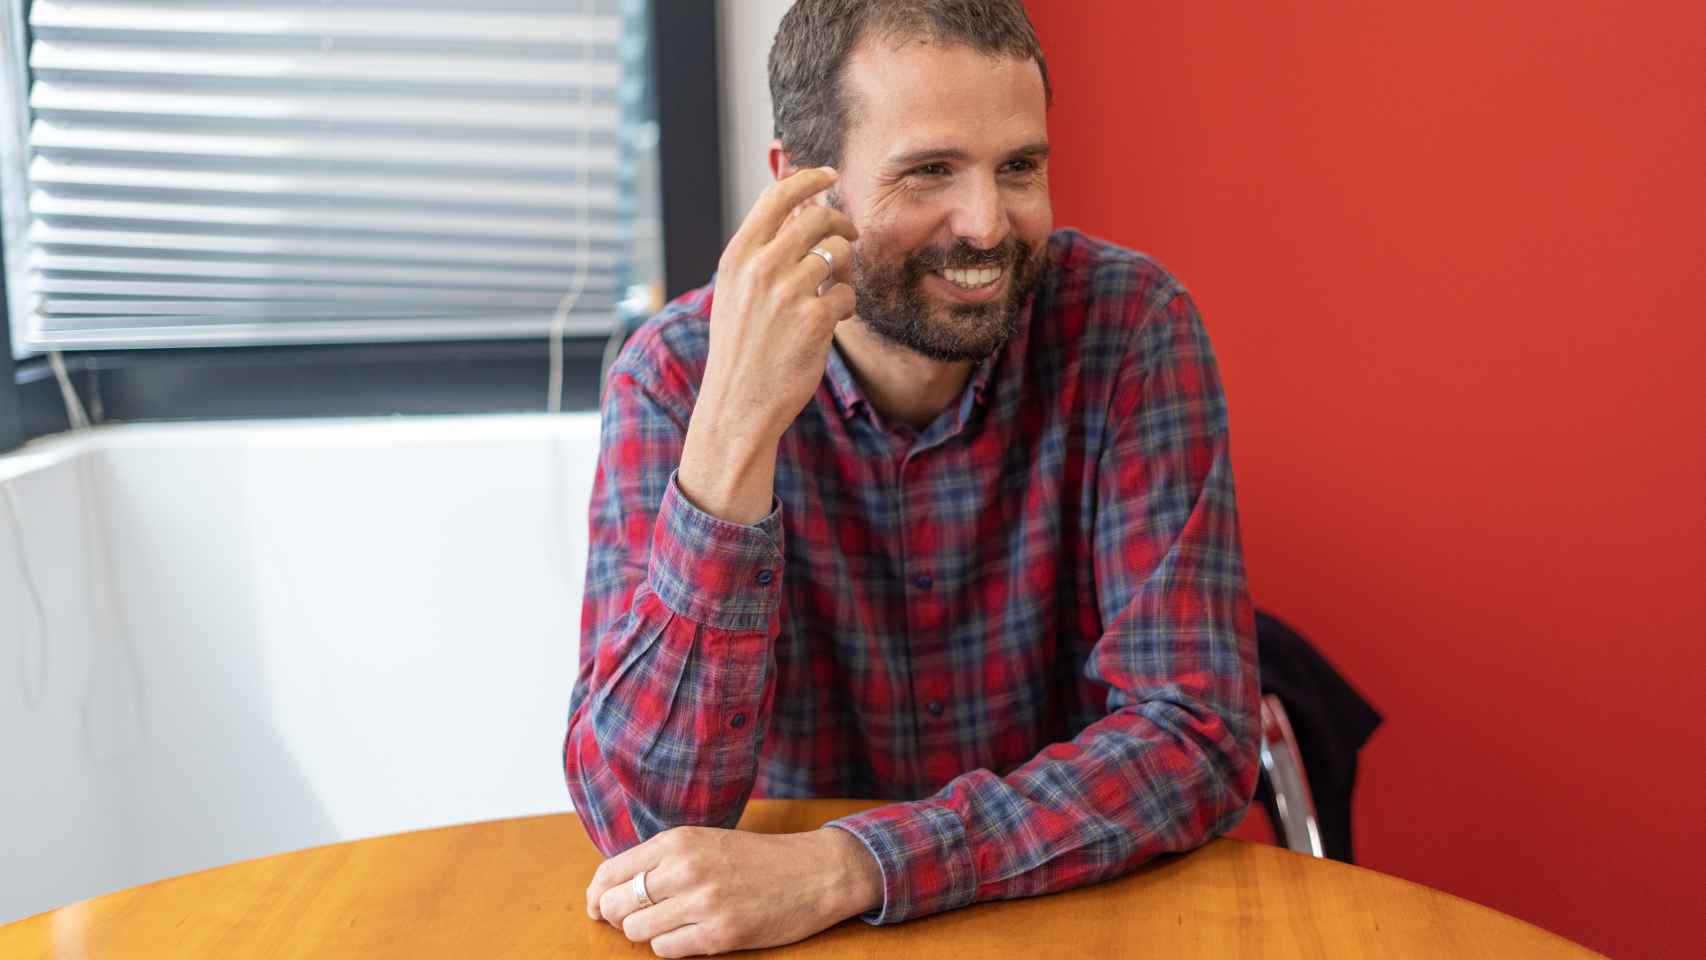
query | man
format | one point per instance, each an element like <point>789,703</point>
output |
<point>919,501</point>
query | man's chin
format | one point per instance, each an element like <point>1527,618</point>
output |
<point>951,333</point>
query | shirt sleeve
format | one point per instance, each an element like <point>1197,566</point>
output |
<point>1173,763</point>
<point>678,627</point>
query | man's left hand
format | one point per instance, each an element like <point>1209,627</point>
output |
<point>715,890</point>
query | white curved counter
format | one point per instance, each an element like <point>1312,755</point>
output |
<point>225,640</point>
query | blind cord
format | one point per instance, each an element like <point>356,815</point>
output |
<point>74,412</point>
<point>555,493</point>
<point>560,321</point>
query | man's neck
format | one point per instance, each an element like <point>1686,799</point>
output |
<point>900,384</point>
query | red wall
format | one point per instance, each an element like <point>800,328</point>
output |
<point>1451,256</point>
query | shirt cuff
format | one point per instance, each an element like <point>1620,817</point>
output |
<point>721,574</point>
<point>921,848</point>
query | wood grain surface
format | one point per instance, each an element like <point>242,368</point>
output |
<point>516,888</point>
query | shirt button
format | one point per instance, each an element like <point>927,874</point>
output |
<point>935,708</point>
<point>922,581</point>
<point>764,577</point>
<point>738,721</point>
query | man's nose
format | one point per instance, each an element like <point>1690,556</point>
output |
<point>979,217</point>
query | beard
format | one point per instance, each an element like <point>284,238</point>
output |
<point>890,299</point>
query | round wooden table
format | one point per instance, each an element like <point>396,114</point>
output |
<point>516,888</point>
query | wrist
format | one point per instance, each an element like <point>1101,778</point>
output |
<point>858,876</point>
<point>728,474</point>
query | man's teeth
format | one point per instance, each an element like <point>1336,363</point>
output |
<point>972,279</point>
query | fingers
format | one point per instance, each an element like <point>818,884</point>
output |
<point>619,903</point>
<point>613,873</point>
<point>809,228</point>
<point>642,925</point>
<point>836,304</point>
<point>780,198</point>
<point>836,301</point>
<point>683,941</point>
<point>814,274</point>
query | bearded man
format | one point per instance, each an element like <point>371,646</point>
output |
<point>919,500</point>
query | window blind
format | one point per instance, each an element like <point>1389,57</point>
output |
<point>254,172</point>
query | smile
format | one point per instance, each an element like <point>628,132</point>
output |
<point>971,279</point>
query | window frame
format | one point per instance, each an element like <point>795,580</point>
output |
<point>404,377</point>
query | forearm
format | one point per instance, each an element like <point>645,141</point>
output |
<point>728,463</point>
<point>671,735</point>
<point>1141,782</point>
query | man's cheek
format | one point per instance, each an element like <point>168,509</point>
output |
<point>1032,218</point>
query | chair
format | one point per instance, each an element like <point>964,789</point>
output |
<point>1308,708</point>
<point>1284,786</point>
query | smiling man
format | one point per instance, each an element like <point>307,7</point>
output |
<point>920,500</point>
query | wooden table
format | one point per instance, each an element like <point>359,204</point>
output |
<point>515,888</point>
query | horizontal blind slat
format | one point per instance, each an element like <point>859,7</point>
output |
<point>510,225</point>
<point>479,156</point>
<point>44,236</point>
<point>283,308</point>
<point>173,331</point>
<point>559,279</point>
<point>460,113</point>
<point>304,292</point>
<point>329,21</point>
<point>546,73</point>
<point>419,189</point>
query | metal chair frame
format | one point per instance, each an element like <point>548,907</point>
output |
<point>1291,808</point>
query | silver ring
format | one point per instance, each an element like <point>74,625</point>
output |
<point>828,259</point>
<point>638,886</point>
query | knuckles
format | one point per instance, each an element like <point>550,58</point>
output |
<point>676,839</point>
<point>818,220</point>
<point>686,872</point>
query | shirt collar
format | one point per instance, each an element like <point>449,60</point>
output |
<point>848,398</point>
<point>841,383</point>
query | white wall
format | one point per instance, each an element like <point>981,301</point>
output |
<point>744,31</point>
<point>220,641</point>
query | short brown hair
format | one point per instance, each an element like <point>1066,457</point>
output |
<point>816,37</point>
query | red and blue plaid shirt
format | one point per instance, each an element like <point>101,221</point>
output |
<point>1027,624</point>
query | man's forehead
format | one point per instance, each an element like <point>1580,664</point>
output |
<point>917,96</point>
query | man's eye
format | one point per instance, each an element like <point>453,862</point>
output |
<point>931,170</point>
<point>1021,166</point>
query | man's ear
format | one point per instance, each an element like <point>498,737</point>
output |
<point>781,165</point>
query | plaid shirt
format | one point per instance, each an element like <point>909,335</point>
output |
<point>1028,623</point>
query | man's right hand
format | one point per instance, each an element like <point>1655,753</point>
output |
<point>770,337</point>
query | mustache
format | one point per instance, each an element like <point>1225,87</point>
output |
<point>964,256</point>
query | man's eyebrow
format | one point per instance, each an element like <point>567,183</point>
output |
<point>1033,151</point>
<point>927,155</point>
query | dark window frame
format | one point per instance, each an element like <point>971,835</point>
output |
<point>437,377</point>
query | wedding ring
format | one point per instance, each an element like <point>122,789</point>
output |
<point>638,886</point>
<point>828,259</point>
